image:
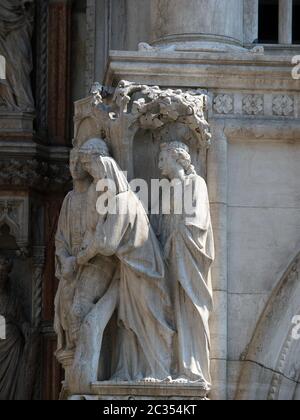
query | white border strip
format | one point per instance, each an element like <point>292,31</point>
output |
<point>2,328</point>
<point>2,68</point>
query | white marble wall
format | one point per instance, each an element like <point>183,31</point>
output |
<point>263,234</point>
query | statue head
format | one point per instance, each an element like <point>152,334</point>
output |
<point>5,269</point>
<point>77,172</point>
<point>90,153</point>
<point>175,159</point>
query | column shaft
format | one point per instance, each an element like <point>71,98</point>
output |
<point>250,21</point>
<point>285,21</point>
<point>197,20</point>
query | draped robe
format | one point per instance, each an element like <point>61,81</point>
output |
<point>189,252</point>
<point>15,45</point>
<point>84,297</point>
<point>70,232</point>
<point>77,297</point>
<point>144,313</point>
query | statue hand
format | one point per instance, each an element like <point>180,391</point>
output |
<point>86,255</point>
<point>82,258</point>
<point>69,268</point>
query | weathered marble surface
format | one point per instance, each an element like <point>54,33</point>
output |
<point>250,21</point>
<point>115,281</point>
<point>78,291</point>
<point>16,26</point>
<point>202,21</point>
<point>188,245</point>
<point>138,291</point>
<point>252,167</point>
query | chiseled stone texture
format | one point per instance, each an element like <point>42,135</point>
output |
<point>213,17</point>
<point>141,280</point>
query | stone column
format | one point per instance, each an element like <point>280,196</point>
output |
<point>174,21</point>
<point>285,21</point>
<point>250,21</point>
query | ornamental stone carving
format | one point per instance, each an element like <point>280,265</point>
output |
<point>253,104</point>
<point>16,26</point>
<point>120,311</point>
<point>261,104</point>
<point>283,105</point>
<point>35,173</point>
<point>223,104</point>
<point>152,108</point>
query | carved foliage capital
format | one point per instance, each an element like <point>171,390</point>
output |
<point>152,108</point>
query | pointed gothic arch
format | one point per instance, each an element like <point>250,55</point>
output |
<point>271,368</point>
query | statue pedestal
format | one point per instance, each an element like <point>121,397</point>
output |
<point>142,391</point>
<point>16,123</point>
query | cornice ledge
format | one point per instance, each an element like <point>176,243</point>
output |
<point>208,70</point>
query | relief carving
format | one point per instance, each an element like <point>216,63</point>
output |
<point>16,26</point>
<point>126,308</point>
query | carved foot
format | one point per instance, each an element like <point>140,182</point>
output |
<point>180,380</point>
<point>151,380</point>
<point>184,380</point>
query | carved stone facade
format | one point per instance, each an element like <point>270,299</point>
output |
<point>33,172</point>
<point>219,84</point>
